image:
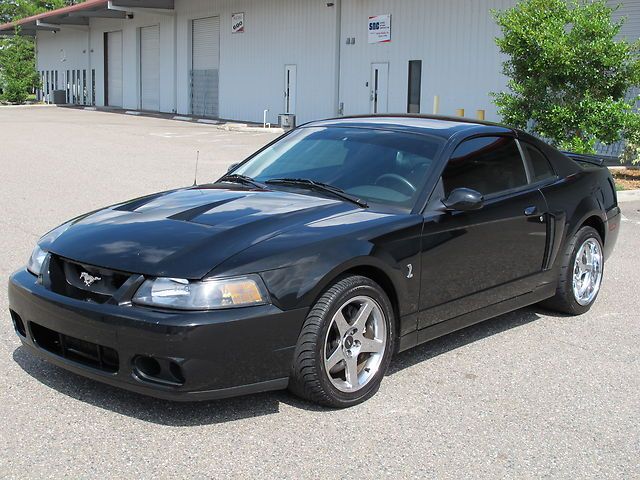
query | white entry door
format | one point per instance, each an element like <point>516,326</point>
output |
<point>379,87</point>
<point>290,86</point>
<point>114,69</point>
<point>150,68</point>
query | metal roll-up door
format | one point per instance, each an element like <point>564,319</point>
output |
<point>150,68</point>
<point>114,69</point>
<point>205,65</point>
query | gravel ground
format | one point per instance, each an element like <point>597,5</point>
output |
<point>525,395</point>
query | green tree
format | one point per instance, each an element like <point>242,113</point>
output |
<point>11,10</point>
<point>17,54</point>
<point>17,69</point>
<point>568,75</point>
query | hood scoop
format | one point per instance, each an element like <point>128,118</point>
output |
<point>192,213</point>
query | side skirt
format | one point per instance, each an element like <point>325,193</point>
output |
<point>457,323</point>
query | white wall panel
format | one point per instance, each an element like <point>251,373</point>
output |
<point>66,50</point>
<point>131,58</point>
<point>453,38</point>
<point>252,64</point>
<point>630,10</point>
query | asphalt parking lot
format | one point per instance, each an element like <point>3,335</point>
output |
<point>525,395</point>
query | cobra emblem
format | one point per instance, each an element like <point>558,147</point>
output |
<point>89,279</point>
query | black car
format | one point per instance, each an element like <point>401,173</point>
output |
<point>314,261</point>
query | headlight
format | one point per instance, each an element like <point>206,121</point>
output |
<point>36,260</point>
<point>205,295</point>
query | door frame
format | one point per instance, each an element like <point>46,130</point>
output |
<point>373,90</point>
<point>106,65</point>
<point>290,67</point>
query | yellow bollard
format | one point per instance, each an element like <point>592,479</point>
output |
<point>460,112</point>
<point>480,114</point>
<point>436,104</point>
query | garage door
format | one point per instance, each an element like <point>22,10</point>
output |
<point>114,69</point>
<point>150,68</point>
<point>205,64</point>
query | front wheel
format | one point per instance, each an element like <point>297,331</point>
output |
<point>345,345</point>
<point>580,274</point>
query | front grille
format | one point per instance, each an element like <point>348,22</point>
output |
<point>75,349</point>
<point>84,282</point>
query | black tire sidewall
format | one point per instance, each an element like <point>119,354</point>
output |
<point>365,288</point>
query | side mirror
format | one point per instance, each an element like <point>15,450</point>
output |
<point>464,199</point>
<point>232,167</point>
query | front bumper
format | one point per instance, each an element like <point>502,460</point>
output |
<point>217,354</point>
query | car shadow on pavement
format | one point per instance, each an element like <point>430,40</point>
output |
<point>463,337</point>
<point>180,414</point>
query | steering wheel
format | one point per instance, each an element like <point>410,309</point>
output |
<point>404,184</point>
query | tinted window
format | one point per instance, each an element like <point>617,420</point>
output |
<point>487,164</point>
<point>379,166</point>
<point>540,166</point>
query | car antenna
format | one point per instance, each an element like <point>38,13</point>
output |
<point>195,176</point>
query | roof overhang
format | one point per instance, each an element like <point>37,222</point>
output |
<point>81,13</point>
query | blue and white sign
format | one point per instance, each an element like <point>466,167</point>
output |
<point>379,29</point>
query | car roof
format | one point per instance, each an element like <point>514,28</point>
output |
<point>435,125</point>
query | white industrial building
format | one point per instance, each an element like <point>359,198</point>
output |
<point>234,59</point>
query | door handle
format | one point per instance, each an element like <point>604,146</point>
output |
<point>530,211</point>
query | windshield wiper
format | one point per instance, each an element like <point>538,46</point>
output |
<point>244,180</point>
<point>319,186</point>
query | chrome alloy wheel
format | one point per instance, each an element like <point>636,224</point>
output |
<point>355,344</point>
<point>587,272</point>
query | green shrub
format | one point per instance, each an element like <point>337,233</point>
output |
<point>568,75</point>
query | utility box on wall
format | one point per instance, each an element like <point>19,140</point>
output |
<point>287,121</point>
<point>60,97</point>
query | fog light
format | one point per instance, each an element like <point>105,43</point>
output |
<point>18,324</point>
<point>164,371</point>
<point>147,366</point>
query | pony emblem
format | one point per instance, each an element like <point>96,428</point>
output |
<point>89,279</point>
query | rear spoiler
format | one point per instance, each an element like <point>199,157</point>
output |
<point>581,157</point>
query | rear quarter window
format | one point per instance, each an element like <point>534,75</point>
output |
<point>541,168</point>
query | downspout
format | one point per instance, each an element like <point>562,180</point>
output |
<point>175,60</point>
<point>89,69</point>
<point>339,107</point>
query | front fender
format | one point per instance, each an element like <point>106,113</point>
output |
<point>298,266</point>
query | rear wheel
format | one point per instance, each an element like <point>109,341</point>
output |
<point>580,274</point>
<point>345,345</point>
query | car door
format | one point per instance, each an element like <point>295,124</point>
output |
<point>472,259</point>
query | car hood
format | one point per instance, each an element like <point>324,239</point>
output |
<point>186,233</point>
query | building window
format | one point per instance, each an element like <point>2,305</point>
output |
<point>415,86</point>
<point>67,79</point>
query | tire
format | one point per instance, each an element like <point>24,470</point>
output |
<point>565,300</point>
<point>326,339</point>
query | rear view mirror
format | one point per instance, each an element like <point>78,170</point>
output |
<point>232,167</point>
<point>464,199</point>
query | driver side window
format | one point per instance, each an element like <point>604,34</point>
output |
<point>489,165</point>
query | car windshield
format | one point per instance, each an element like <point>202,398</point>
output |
<point>378,166</point>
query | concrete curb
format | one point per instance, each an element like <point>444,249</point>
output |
<point>629,196</point>
<point>219,124</point>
